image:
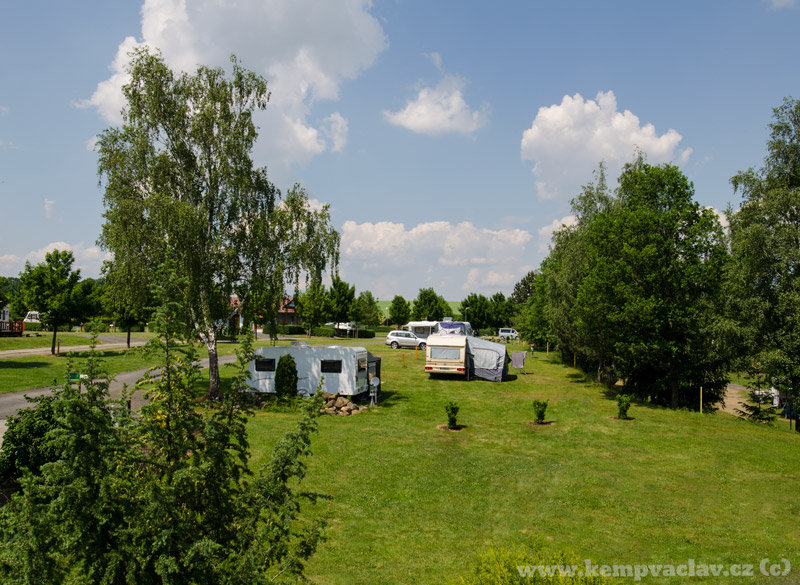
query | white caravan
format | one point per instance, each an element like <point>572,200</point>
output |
<point>345,370</point>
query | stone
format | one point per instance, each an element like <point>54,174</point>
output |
<point>341,402</point>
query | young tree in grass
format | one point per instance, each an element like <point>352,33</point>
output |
<point>180,184</point>
<point>399,311</point>
<point>49,287</point>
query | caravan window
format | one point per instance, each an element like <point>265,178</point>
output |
<point>445,353</point>
<point>265,365</point>
<point>331,366</point>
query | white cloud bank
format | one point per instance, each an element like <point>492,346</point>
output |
<point>455,259</point>
<point>305,49</point>
<point>88,258</point>
<point>567,141</point>
<point>441,109</point>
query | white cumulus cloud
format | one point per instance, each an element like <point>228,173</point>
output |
<point>388,258</point>
<point>546,232</point>
<point>567,141</point>
<point>305,49</point>
<point>441,109</point>
<point>48,208</point>
<point>89,258</point>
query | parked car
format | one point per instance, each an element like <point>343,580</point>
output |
<point>404,339</point>
<point>507,333</point>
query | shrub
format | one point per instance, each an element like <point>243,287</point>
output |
<point>623,404</point>
<point>286,378</point>
<point>539,409</point>
<point>521,566</point>
<point>34,327</point>
<point>291,330</point>
<point>451,408</point>
<point>25,443</point>
<point>323,332</point>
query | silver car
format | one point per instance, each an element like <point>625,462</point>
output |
<point>404,339</point>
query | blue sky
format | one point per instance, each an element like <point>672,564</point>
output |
<point>448,137</point>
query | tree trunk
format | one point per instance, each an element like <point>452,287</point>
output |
<point>53,345</point>
<point>673,385</point>
<point>213,366</point>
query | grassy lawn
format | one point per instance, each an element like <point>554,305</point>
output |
<point>414,504</point>
<point>44,340</point>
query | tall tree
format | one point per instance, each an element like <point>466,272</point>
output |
<point>49,287</point>
<point>764,276</point>
<point>180,184</point>
<point>429,306</point>
<point>313,305</point>
<point>399,310</point>
<point>342,296</point>
<point>650,296</point>
<point>523,290</point>
<point>475,309</point>
<point>365,309</point>
<point>499,311</point>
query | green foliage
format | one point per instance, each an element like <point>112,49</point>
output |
<point>758,408</point>
<point>523,290</point>
<point>530,564</point>
<point>399,311</point>
<point>167,496</point>
<point>428,306</point>
<point>25,442</point>
<point>342,296</point>
<point>539,409</point>
<point>286,378</point>
<point>314,305</point>
<point>500,311</point>
<point>34,327</point>
<point>50,288</point>
<point>451,408</point>
<point>180,184</point>
<point>623,405</point>
<point>323,332</point>
<point>365,310</point>
<point>764,282</point>
<point>476,310</point>
<point>532,322</point>
<point>636,287</point>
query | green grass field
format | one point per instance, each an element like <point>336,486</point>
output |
<point>414,504</point>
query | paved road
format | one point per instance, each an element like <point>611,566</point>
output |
<point>106,342</point>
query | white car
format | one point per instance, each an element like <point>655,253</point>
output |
<point>508,334</point>
<point>397,339</point>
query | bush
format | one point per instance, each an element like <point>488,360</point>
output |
<point>520,566</point>
<point>623,404</point>
<point>323,332</point>
<point>451,408</point>
<point>25,445</point>
<point>286,378</point>
<point>291,330</point>
<point>539,409</point>
<point>34,327</point>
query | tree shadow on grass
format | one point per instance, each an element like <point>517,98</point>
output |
<point>389,398</point>
<point>13,365</point>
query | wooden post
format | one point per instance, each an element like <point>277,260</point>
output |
<point>574,361</point>
<point>548,349</point>
<point>701,400</point>
<point>404,360</point>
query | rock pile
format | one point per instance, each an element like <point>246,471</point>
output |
<point>336,404</point>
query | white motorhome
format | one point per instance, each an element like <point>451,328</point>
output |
<point>344,370</point>
<point>421,328</point>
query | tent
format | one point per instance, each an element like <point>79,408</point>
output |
<point>487,360</point>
